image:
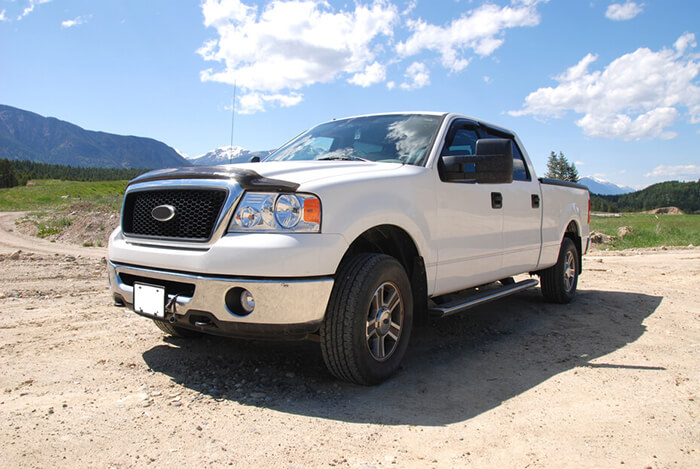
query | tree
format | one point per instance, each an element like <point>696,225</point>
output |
<point>7,174</point>
<point>558,167</point>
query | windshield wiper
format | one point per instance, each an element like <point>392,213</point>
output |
<point>344,158</point>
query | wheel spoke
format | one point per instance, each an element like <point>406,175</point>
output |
<point>371,329</point>
<point>381,353</point>
<point>394,331</point>
<point>394,301</point>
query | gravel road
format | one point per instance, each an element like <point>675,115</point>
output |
<point>611,380</point>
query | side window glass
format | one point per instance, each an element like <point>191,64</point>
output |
<point>520,172</point>
<point>460,141</point>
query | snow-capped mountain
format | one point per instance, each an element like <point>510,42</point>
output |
<point>225,155</point>
<point>602,187</point>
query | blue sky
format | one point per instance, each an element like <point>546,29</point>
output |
<point>614,84</point>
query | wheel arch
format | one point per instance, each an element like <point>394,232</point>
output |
<point>396,242</point>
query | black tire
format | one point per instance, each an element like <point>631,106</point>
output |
<point>368,321</point>
<point>559,281</point>
<point>174,330</point>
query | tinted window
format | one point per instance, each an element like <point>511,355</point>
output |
<point>461,140</point>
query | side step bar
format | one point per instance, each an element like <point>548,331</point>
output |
<point>460,305</point>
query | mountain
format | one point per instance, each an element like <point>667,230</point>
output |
<point>598,186</point>
<point>226,155</point>
<point>28,136</point>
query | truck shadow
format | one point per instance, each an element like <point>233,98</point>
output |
<point>456,368</point>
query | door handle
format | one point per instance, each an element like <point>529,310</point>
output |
<point>496,200</point>
<point>535,201</point>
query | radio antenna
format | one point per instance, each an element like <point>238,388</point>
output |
<point>233,121</point>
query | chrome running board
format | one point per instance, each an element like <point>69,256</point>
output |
<point>457,306</point>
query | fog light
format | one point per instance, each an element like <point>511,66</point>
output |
<point>240,301</point>
<point>247,301</point>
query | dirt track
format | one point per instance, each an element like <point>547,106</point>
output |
<point>611,380</point>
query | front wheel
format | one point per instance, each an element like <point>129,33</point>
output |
<point>368,321</point>
<point>559,281</point>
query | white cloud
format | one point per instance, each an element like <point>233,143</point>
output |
<point>2,16</point>
<point>253,102</point>
<point>31,4</point>
<point>274,51</point>
<point>75,21</point>
<point>374,73</point>
<point>623,11</point>
<point>688,172</point>
<point>638,95</point>
<point>480,30</point>
<point>417,76</point>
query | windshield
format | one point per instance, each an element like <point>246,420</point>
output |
<point>395,138</point>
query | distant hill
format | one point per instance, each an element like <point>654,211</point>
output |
<point>684,195</point>
<point>226,155</point>
<point>598,186</point>
<point>28,136</point>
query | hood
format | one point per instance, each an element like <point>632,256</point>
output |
<point>272,176</point>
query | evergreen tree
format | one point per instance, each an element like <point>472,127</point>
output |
<point>558,167</point>
<point>7,174</point>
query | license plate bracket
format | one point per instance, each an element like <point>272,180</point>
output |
<point>149,300</point>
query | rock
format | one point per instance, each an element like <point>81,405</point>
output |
<point>69,258</point>
<point>624,231</point>
<point>601,238</point>
<point>15,255</point>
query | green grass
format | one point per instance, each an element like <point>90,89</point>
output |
<point>53,225</point>
<point>650,230</point>
<point>52,195</point>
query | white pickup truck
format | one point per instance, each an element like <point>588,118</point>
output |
<point>346,234</point>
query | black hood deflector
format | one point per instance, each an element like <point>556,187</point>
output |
<point>246,178</point>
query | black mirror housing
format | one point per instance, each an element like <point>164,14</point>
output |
<point>492,164</point>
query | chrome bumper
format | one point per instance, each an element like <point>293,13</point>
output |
<point>281,302</point>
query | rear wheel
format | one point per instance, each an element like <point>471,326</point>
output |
<point>174,330</point>
<point>368,321</point>
<point>559,281</point>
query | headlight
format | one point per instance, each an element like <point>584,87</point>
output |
<point>265,211</point>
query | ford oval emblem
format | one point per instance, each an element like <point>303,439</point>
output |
<point>163,213</point>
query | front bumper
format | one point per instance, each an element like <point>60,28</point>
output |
<point>284,308</point>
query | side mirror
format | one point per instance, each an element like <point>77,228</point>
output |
<point>254,159</point>
<point>492,164</point>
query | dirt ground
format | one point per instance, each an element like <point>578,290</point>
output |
<point>611,380</point>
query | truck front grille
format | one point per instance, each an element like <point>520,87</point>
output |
<point>196,213</point>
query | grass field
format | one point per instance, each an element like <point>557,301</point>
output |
<point>55,195</point>
<point>650,230</point>
<point>50,195</point>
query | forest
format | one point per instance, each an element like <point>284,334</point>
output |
<point>684,195</point>
<point>17,173</point>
